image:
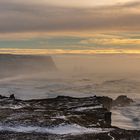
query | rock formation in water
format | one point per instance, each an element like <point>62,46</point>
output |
<point>24,64</point>
<point>122,101</point>
<point>64,118</point>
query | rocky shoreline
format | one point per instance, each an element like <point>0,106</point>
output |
<point>63,117</point>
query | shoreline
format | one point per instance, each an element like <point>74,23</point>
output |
<point>62,117</point>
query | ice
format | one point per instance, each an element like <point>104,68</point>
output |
<point>60,117</point>
<point>72,129</point>
<point>13,106</point>
<point>88,108</point>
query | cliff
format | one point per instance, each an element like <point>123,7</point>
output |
<point>21,64</point>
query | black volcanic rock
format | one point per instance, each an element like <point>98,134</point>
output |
<point>59,118</point>
<point>82,111</point>
<point>106,101</point>
<point>122,101</point>
<point>12,96</point>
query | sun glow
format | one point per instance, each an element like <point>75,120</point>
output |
<point>61,51</point>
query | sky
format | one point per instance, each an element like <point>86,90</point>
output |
<point>69,27</point>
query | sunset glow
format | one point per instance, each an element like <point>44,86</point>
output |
<point>70,27</point>
<point>61,51</point>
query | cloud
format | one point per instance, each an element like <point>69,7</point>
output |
<point>66,3</point>
<point>28,16</point>
<point>111,41</point>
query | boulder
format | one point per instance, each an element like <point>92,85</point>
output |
<point>122,100</point>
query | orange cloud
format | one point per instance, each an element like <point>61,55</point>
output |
<point>112,41</point>
<point>60,51</point>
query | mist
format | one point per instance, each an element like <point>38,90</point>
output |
<point>72,75</point>
<point>108,64</point>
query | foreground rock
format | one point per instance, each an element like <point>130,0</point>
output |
<point>122,101</point>
<point>59,118</point>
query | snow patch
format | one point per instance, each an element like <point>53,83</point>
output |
<point>88,108</point>
<point>60,117</point>
<point>60,130</point>
<point>12,107</point>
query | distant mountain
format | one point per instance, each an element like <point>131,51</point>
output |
<point>20,64</point>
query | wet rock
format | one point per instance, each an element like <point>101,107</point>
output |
<point>54,112</point>
<point>12,96</point>
<point>108,118</point>
<point>64,118</point>
<point>106,101</point>
<point>122,101</point>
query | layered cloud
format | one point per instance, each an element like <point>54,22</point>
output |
<point>65,52</point>
<point>66,3</point>
<point>63,16</point>
<point>69,27</point>
<point>71,43</point>
<point>112,41</point>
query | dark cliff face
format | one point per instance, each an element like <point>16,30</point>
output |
<point>64,118</point>
<point>22,64</point>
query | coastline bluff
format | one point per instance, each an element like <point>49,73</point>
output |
<point>22,64</point>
